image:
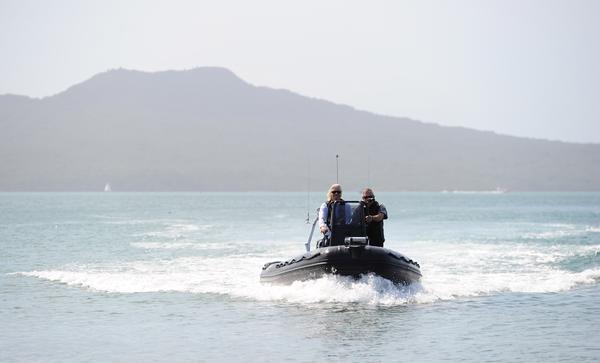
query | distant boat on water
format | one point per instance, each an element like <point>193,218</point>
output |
<point>107,188</point>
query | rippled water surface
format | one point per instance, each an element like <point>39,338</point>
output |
<point>174,277</point>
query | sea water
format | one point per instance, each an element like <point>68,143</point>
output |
<point>137,277</point>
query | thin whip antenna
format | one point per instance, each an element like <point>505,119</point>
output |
<point>337,169</point>
<point>308,194</point>
<point>369,170</point>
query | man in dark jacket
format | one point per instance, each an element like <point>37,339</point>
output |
<point>375,213</point>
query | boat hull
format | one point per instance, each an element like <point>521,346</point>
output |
<point>344,261</point>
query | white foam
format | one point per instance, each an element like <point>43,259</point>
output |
<point>369,289</point>
<point>189,274</point>
<point>450,270</point>
<point>556,230</point>
<point>177,231</point>
<point>186,227</point>
<point>444,286</point>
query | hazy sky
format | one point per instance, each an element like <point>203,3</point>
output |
<point>525,68</point>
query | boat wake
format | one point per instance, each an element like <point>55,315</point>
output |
<point>476,270</point>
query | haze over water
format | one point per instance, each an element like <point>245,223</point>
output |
<point>174,276</point>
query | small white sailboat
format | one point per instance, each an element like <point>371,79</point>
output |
<point>107,188</point>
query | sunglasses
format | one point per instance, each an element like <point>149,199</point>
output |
<point>369,197</point>
<point>336,192</point>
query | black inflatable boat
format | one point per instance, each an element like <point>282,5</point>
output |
<point>346,252</point>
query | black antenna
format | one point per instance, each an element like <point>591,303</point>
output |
<point>308,194</point>
<point>369,170</point>
<point>337,169</point>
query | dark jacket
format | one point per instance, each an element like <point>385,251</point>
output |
<point>375,229</point>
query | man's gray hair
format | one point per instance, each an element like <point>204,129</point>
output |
<point>367,190</point>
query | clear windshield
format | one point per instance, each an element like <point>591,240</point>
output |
<point>347,213</point>
<point>347,220</point>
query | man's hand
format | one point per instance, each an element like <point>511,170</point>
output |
<point>375,218</point>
